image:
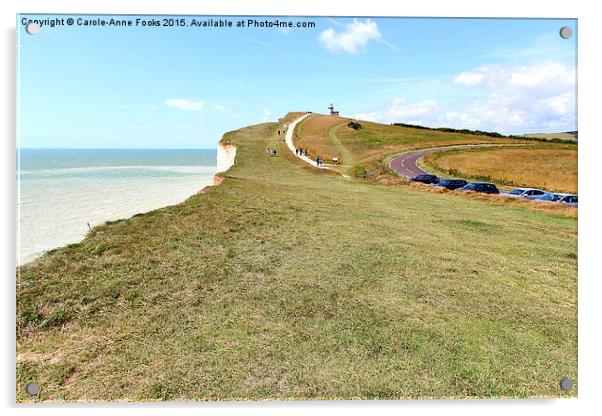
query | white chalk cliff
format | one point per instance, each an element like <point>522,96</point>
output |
<point>226,155</point>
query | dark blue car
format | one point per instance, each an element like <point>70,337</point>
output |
<point>426,178</point>
<point>451,183</point>
<point>483,187</point>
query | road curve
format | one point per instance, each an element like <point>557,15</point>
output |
<point>405,164</point>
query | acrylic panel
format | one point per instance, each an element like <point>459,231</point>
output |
<point>295,208</point>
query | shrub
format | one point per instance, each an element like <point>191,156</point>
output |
<point>358,171</point>
<point>354,125</point>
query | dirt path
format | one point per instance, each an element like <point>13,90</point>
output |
<point>289,142</point>
<point>346,155</point>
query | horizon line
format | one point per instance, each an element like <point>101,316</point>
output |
<point>116,148</point>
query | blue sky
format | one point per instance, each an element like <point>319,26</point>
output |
<point>162,87</point>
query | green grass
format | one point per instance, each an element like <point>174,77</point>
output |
<point>372,140</point>
<point>348,163</point>
<point>289,283</point>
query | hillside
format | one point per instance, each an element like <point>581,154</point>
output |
<point>524,161</point>
<point>285,282</point>
<point>544,166</point>
<point>372,143</point>
<point>568,135</point>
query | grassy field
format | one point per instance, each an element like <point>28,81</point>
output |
<point>373,142</point>
<point>311,136</point>
<point>561,136</point>
<point>549,167</point>
<point>288,283</point>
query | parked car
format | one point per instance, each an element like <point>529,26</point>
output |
<point>426,178</point>
<point>483,187</point>
<point>548,197</point>
<point>569,200</point>
<point>451,183</point>
<point>528,193</point>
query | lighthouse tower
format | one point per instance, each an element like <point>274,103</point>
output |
<point>332,112</point>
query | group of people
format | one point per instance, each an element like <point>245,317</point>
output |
<point>271,151</point>
<point>299,151</point>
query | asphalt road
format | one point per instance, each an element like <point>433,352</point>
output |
<point>405,164</point>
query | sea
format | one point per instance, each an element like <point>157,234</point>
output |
<point>61,193</point>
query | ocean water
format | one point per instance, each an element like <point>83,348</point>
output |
<point>61,191</point>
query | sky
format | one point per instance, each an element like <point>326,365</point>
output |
<point>185,86</point>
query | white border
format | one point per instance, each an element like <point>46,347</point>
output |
<point>589,222</point>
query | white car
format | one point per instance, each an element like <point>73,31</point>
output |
<point>548,197</point>
<point>570,199</point>
<point>528,193</point>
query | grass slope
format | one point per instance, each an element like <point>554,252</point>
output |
<point>310,136</point>
<point>550,167</point>
<point>288,283</point>
<point>374,141</point>
<point>570,135</point>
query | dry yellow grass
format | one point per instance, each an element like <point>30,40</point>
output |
<point>550,168</point>
<point>313,136</point>
<point>560,210</point>
<point>562,136</point>
<point>374,141</point>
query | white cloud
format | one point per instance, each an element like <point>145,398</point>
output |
<point>399,110</point>
<point>220,107</point>
<point>373,116</point>
<point>191,105</point>
<point>503,98</point>
<point>560,104</point>
<point>415,113</point>
<point>266,113</point>
<point>538,97</point>
<point>470,78</point>
<point>353,39</point>
<point>184,104</point>
<point>545,75</point>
